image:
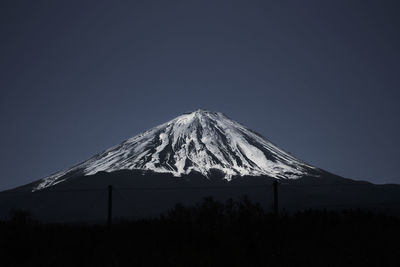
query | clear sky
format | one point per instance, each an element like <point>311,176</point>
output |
<point>320,79</point>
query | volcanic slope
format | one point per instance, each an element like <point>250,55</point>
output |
<point>200,141</point>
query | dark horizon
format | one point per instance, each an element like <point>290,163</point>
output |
<point>320,80</point>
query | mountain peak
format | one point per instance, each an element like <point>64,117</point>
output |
<point>199,141</point>
<point>203,113</point>
<point>198,116</point>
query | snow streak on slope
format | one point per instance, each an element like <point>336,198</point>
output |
<point>199,141</point>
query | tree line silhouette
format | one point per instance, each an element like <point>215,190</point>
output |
<point>210,233</point>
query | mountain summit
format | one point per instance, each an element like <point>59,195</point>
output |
<point>201,141</point>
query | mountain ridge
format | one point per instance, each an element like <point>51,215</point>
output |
<point>199,141</point>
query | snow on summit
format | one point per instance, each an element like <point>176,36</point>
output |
<point>198,141</point>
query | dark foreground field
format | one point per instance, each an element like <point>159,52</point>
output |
<point>208,234</point>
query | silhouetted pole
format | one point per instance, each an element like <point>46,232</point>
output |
<point>109,218</point>
<point>276,207</point>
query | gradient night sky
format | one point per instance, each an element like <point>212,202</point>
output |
<point>318,78</point>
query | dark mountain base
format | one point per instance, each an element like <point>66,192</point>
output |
<point>208,234</point>
<point>139,194</point>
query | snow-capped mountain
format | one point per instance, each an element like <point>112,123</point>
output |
<point>200,141</point>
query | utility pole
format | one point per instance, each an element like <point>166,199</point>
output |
<point>276,207</point>
<point>109,217</point>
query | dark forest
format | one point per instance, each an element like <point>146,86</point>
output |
<point>210,233</point>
